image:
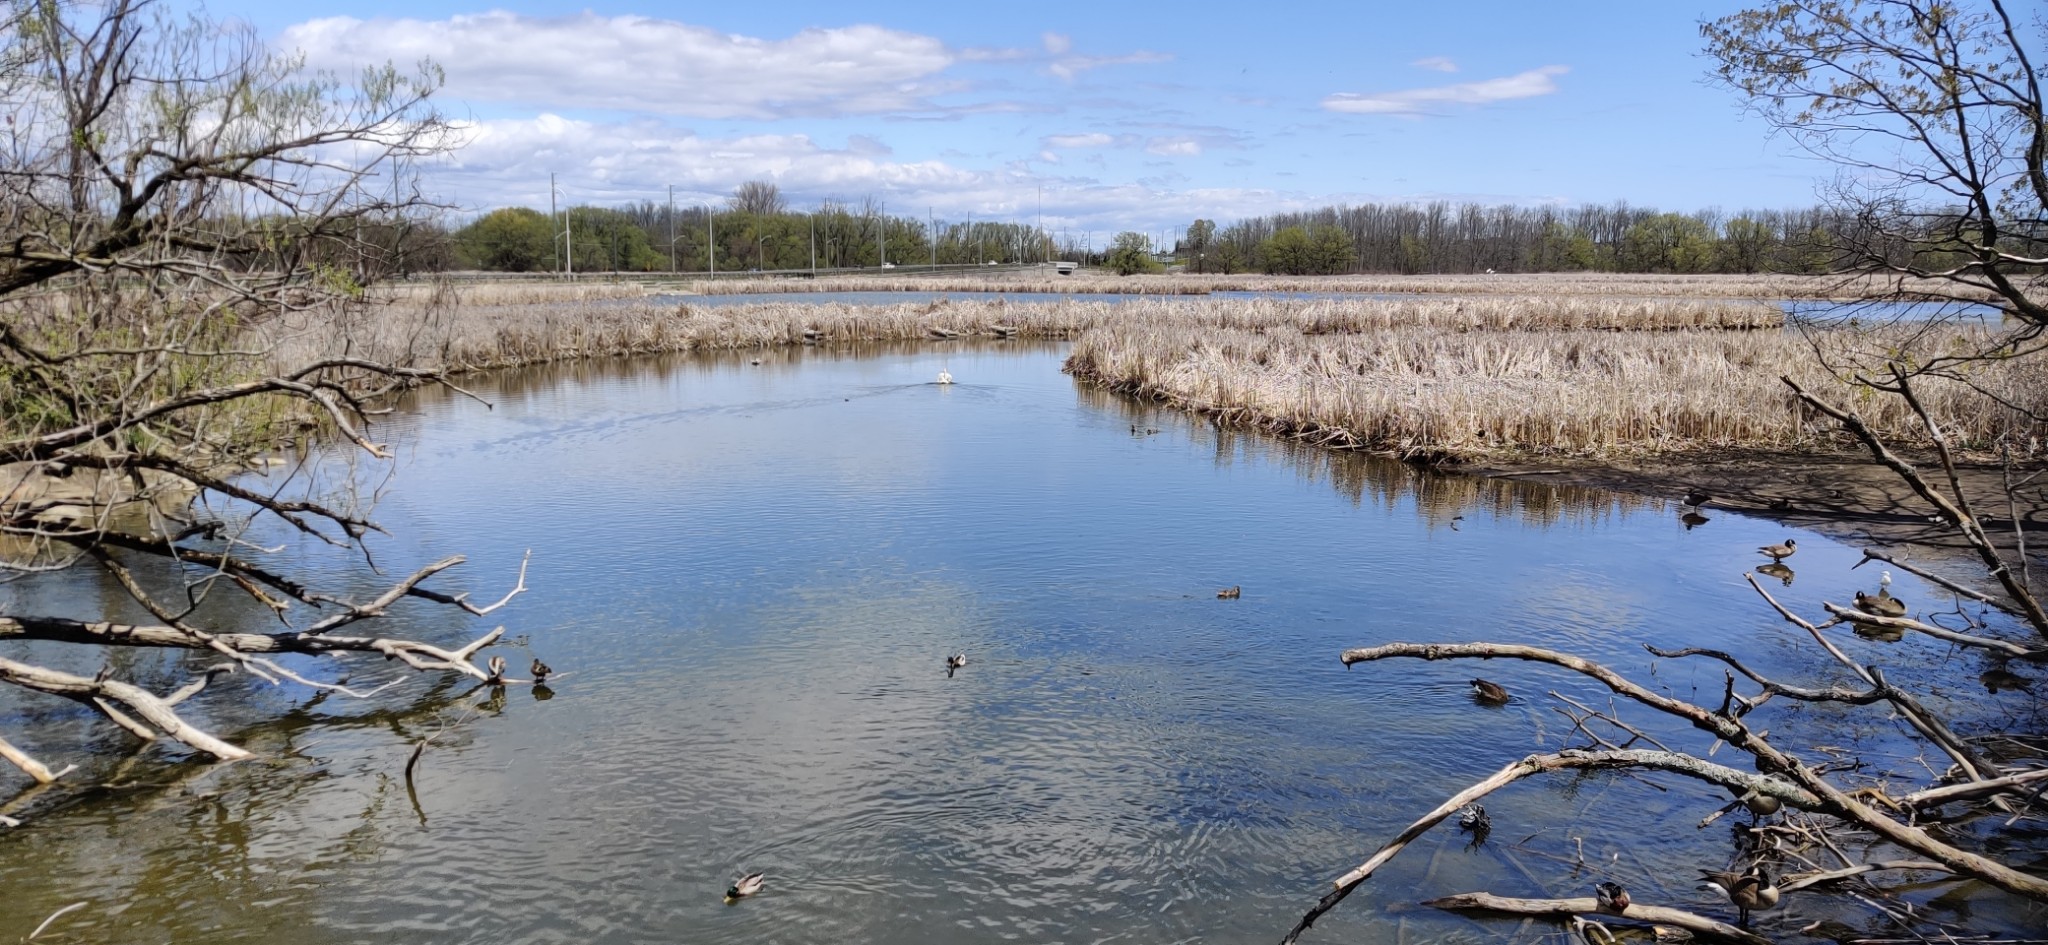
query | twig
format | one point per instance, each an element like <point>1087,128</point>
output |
<point>53,917</point>
<point>1696,924</point>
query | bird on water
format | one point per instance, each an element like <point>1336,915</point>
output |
<point>1749,891</point>
<point>541,671</point>
<point>1612,898</point>
<point>945,376</point>
<point>1780,552</point>
<point>746,886</point>
<point>1489,692</point>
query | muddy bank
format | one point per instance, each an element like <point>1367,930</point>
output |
<point>1842,495</point>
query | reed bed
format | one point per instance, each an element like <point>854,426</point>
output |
<point>1627,285</point>
<point>523,292</point>
<point>1428,394</point>
<point>474,337</point>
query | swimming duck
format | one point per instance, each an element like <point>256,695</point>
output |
<point>1751,890</point>
<point>1232,592</point>
<point>1881,605</point>
<point>1780,552</point>
<point>1695,498</point>
<point>945,377</point>
<point>1472,818</point>
<point>1612,898</point>
<point>1489,693</point>
<point>541,671</point>
<point>956,661</point>
<point>746,886</point>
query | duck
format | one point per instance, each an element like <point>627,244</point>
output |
<point>541,671</point>
<point>1612,898</point>
<point>954,662</point>
<point>1760,804</point>
<point>1472,818</point>
<point>1881,605</point>
<point>1748,891</point>
<point>497,665</point>
<point>1695,498</point>
<point>1489,692</point>
<point>1232,592</point>
<point>945,376</point>
<point>1780,552</point>
<point>746,886</point>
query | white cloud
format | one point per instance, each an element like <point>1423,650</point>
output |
<point>1174,147</point>
<point>1091,140</point>
<point>1057,43</point>
<point>1435,64</point>
<point>1528,84</point>
<point>645,64</point>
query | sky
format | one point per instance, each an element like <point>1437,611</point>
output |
<point>1102,117</point>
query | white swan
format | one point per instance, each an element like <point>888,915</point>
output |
<point>945,377</point>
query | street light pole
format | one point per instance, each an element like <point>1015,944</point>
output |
<point>814,243</point>
<point>671,229</point>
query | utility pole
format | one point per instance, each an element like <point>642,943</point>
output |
<point>814,244</point>
<point>1039,236</point>
<point>710,241</point>
<point>935,237</point>
<point>671,229</point>
<point>882,235</point>
<point>552,216</point>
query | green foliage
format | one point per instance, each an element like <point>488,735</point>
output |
<point>1131,254</point>
<point>1297,251</point>
<point>514,239</point>
<point>1668,242</point>
<point>1196,245</point>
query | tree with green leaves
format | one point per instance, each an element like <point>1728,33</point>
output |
<point>1131,254</point>
<point>511,239</point>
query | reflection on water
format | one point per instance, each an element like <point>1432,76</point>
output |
<point>749,577</point>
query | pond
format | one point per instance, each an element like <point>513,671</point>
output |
<point>748,578</point>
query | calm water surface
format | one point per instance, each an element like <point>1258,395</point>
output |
<point>748,577</point>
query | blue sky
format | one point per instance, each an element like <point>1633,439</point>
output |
<point>1128,116</point>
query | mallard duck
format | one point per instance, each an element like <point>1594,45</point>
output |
<point>1695,498</point>
<point>1472,819</point>
<point>1780,552</point>
<point>1751,890</point>
<point>1612,898</point>
<point>497,665</point>
<point>746,886</point>
<point>1489,692</point>
<point>945,377</point>
<point>541,671</point>
<point>1232,592</point>
<point>1881,605</point>
<point>1760,804</point>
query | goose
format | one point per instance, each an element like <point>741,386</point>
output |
<point>1489,693</point>
<point>1748,891</point>
<point>1780,552</point>
<point>1695,498</point>
<point>746,886</point>
<point>1612,898</point>
<point>1880,606</point>
<point>541,671</point>
<point>945,377</point>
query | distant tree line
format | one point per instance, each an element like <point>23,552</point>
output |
<point>1442,237</point>
<point>755,229</point>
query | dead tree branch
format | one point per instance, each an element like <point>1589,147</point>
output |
<point>1566,908</point>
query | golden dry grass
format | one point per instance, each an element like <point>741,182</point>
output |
<point>1426,393</point>
<point>1610,285</point>
<point>471,337</point>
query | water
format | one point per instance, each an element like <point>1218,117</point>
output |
<point>748,577</point>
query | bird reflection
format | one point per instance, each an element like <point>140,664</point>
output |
<point>1879,634</point>
<point>1999,678</point>
<point>1779,571</point>
<point>1693,520</point>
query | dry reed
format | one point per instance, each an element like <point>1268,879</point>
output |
<point>472,337</point>
<point>1039,280</point>
<point>1425,393</point>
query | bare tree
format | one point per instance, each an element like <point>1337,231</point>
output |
<point>174,198</point>
<point>758,197</point>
